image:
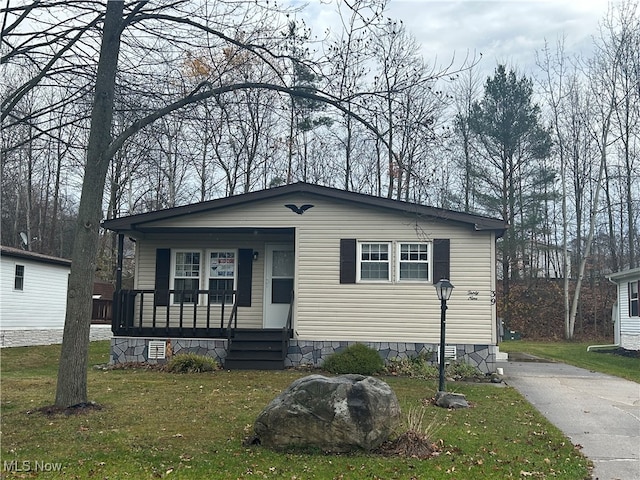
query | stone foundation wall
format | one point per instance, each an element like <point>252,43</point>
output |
<point>134,349</point>
<point>313,353</point>
<point>630,341</point>
<point>301,352</point>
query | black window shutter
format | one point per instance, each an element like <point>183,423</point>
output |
<point>441,259</point>
<point>245,272</point>
<point>163,269</point>
<point>347,260</point>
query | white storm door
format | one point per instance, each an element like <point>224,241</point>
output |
<point>279,271</point>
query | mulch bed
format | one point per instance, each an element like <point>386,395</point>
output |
<point>623,352</point>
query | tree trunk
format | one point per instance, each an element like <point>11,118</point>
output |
<point>613,250</point>
<point>56,206</point>
<point>72,372</point>
<point>292,120</point>
<point>347,157</point>
<point>592,225</point>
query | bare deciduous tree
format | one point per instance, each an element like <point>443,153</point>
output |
<point>183,27</point>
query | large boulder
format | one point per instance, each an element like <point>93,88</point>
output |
<point>335,414</point>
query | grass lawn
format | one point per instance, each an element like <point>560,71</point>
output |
<point>576,354</point>
<point>160,425</point>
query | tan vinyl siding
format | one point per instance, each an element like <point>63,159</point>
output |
<point>405,311</point>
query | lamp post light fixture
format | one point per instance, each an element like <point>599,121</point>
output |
<point>443,288</point>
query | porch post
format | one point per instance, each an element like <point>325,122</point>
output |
<point>115,311</point>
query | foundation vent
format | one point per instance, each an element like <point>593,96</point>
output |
<point>450,354</point>
<point>157,350</point>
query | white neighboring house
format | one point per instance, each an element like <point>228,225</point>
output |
<point>33,290</point>
<point>627,312</point>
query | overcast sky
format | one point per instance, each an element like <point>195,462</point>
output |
<point>504,31</point>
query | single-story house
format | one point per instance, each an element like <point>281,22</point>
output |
<point>33,290</point>
<point>626,314</point>
<point>288,275</point>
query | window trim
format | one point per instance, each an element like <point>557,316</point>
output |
<point>208,276</point>
<point>172,278</point>
<point>204,270</point>
<point>635,299</point>
<point>18,279</point>
<point>359,261</point>
<point>399,261</point>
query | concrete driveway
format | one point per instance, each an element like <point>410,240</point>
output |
<point>597,411</point>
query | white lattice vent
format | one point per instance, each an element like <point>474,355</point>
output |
<point>157,350</point>
<point>450,353</point>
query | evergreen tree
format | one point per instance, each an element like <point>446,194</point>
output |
<point>508,171</point>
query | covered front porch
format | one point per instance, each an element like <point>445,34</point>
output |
<point>247,309</point>
<point>142,327</point>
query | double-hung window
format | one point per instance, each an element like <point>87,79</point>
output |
<point>222,275</point>
<point>374,260</point>
<point>633,298</point>
<point>186,278</point>
<point>413,262</point>
<point>18,282</point>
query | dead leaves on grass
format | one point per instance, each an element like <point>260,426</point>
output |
<point>81,408</point>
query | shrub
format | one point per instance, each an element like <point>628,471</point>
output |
<point>419,366</point>
<point>462,371</point>
<point>356,358</point>
<point>191,363</point>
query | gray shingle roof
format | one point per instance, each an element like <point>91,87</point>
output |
<point>478,222</point>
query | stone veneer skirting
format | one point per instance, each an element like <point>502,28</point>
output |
<point>313,352</point>
<point>136,349</point>
<point>630,341</point>
<point>301,352</point>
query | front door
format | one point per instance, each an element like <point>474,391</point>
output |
<point>279,271</point>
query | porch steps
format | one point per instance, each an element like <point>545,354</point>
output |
<point>256,349</point>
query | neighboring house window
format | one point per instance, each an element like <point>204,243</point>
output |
<point>633,298</point>
<point>222,274</point>
<point>374,261</point>
<point>413,261</point>
<point>18,283</point>
<point>186,277</point>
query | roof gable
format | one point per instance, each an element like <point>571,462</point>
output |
<point>478,222</point>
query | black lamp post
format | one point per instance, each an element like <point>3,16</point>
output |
<point>443,289</point>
